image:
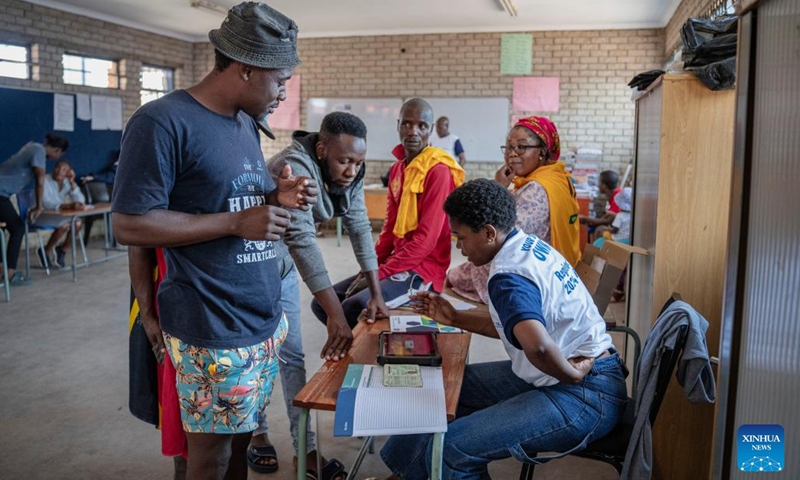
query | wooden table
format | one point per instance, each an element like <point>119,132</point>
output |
<point>322,389</point>
<point>73,215</point>
<point>376,202</point>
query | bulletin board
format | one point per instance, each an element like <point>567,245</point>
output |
<point>27,115</point>
<point>379,115</point>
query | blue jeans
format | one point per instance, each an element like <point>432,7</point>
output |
<point>293,372</point>
<point>391,287</point>
<point>500,416</point>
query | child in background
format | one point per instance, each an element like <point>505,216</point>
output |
<point>620,229</point>
<point>609,181</point>
<point>621,226</point>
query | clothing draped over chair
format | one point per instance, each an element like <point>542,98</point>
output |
<point>693,373</point>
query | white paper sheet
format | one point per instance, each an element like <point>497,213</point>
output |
<point>114,109</point>
<point>381,410</point>
<point>458,304</point>
<point>84,107</point>
<point>63,112</point>
<point>99,112</point>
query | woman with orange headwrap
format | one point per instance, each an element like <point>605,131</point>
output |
<point>545,198</point>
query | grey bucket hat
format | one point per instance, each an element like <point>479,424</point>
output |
<point>256,34</point>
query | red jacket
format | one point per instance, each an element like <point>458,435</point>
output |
<point>425,250</point>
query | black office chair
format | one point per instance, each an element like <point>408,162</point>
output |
<point>611,448</point>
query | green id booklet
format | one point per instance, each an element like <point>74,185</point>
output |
<point>395,375</point>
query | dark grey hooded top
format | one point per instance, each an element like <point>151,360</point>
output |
<point>300,239</point>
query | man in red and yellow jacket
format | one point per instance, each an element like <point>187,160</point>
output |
<point>414,245</point>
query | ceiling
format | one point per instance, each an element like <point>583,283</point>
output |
<point>335,18</point>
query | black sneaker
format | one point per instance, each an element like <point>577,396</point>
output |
<point>59,261</point>
<point>42,257</point>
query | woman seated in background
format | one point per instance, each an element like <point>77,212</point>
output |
<point>59,187</point>
<point>545,199</point>
<point>564,385</point>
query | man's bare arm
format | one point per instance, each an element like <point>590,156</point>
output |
<point>166,228</point>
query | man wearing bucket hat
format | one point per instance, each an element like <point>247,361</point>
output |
<point>192,179</point>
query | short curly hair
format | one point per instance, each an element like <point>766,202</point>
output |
<point>56,141</point>
<point>482,202</point>
<point>342,123</point>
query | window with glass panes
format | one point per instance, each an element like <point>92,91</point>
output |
<point>14,61</point>
<point>92,72</point>
<point>156,82</point>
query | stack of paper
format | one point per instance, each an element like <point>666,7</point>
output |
<point>365,407</point>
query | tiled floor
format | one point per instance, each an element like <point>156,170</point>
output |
<point>64,382</point>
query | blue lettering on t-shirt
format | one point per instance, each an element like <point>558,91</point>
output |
<point>537,246</point>
<point>567,276</point>
<point>177,155</point>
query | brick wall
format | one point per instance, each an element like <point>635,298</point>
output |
<point>687,9</point>
<point>594,68</point>
<point>51,33</point>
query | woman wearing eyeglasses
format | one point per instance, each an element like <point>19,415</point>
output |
<point>542,188</point>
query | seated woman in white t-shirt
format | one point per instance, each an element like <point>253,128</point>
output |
<point>59,187</point>
<point>563,386</point>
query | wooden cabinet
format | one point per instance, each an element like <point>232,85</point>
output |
<point>691,196</point>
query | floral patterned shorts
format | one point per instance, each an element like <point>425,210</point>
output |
<point>224,390</point>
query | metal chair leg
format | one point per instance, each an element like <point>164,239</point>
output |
<point>4,258</point>
<point>46,258</point>
<point>83,248</point>
<point>527,471</point>
<point>27,252</point>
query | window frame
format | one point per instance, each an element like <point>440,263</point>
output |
<point>28,63</point>
<point>84,71</point>
<point>159,93</point>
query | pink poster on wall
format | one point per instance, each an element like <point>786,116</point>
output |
<point>535,94</point>
<point>287,115</point>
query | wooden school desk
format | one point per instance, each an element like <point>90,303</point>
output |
<point>322,389</point>
<point>74,215</point>
<point>376,202</point>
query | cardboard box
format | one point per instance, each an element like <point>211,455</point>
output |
<point>601,268</point>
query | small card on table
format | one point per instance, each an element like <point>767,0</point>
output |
<point>395,375</point>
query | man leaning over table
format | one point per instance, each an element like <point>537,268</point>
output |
<point>414,245</point>
<point>16,174</point>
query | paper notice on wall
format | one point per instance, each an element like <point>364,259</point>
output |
<point>287,115</point>
<point>516,54</point>
<point>99,112</point>
<point>536,94</point>
<point>106,113</point>
<point>114,111</point>
<point>63,112</point>
<point>84,107</point>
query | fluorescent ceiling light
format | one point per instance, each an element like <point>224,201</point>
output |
<point>508,6</point>
<point>209,7</point>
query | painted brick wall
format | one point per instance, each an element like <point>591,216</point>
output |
<point>594,68</point>
<point>687,9</point>
<point>52,33</point>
